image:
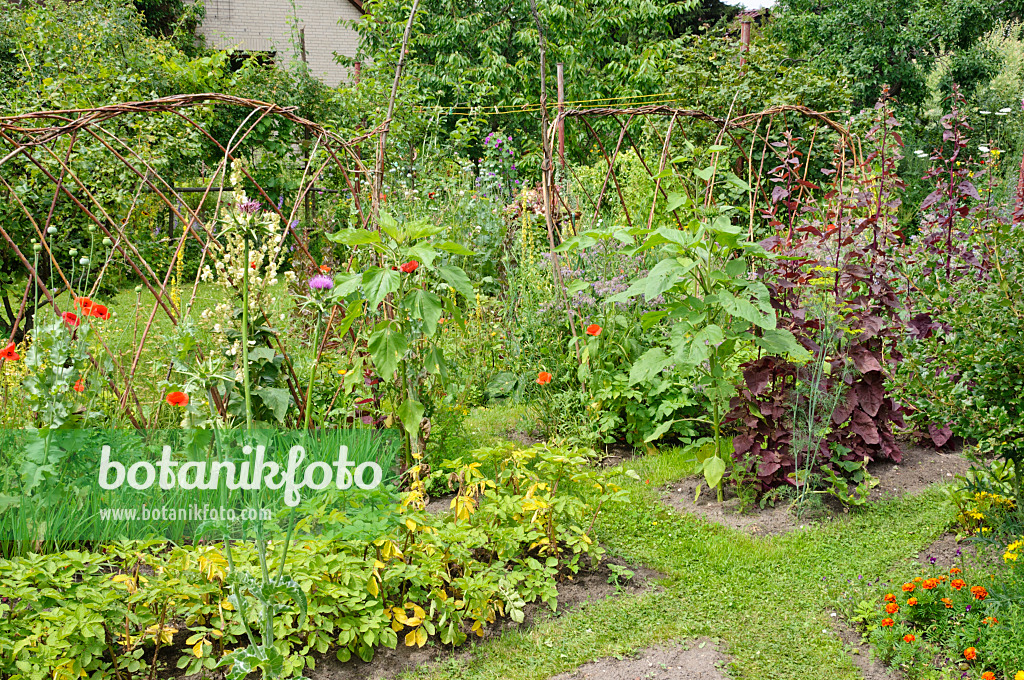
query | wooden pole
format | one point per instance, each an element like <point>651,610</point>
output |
<point>745,38</point>
<point>561,121</point>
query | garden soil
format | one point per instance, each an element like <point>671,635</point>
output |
<point>860,654</point>
<point>919,468</point>
<point>698,660</point>
<point>584,589</point>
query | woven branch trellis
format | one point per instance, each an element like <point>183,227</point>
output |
<point>47,141</point>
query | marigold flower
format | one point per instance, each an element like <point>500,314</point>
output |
<point>990,620</point>
<point>970,653</point>
<point>543,378</point>
<point>892,608</point>
<point>979,592</point>
<point>70,318</point>
<point>99,311</point>
<point>908,638</point>
<point>886,622</point>
<point>594,330</point>
<point>9,353</point>
<point>410,266</point>
<point>177,399</point>
<point>912,601</point>
<point>957,583</point>
<point>954,570</point>
<point>79,386</point>
<point>908,587</point>
<point>1019,675</point>
<point>948,602</point>
<point>930,583</point>
<point>988,675</point>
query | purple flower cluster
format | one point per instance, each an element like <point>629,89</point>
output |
<point>250,207</point>
<point>321,282</point>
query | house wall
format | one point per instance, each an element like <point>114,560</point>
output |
<point>269,25</point>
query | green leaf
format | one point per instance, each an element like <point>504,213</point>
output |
<point>661,278</point>
<point>714,469</point>
<point>455,248</point>
<point>648,365</point>
<point>424,305</point>
<point>457,279</point>
<point>378,283</point>
<point>390,226</point>
<point>677,200</point>
<point>783,343</point>
<point>276,399</point>
<point>354,237</point>
<point>411,414</point>
<point>423,252</point>
<point>659,431</point>
<point>387,347</point>
<point>742,308</point>
<point>422,229</point>
<point>699,347</point>
<point>434,362</point>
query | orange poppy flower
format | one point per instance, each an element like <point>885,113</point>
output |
<point>99,311</point>
<point>957,583</point>
<point>892,608</point>
<point>79,386</point>
<point>594,330</point>
<point>912,601</point>
<point>410,266</point>
<point>970,653</point>
<point>908,638</point>
<point>979,592</point>
<point>886,622</point>
<point>9,353</point>
<point>908,587</point>
<point>543,378</point>
<point>84,303</point>
<point>71,319</point>
<point>177,399</point>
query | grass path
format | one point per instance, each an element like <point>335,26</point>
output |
<point>767,599</point>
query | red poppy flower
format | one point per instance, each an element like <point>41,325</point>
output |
<point>83,302</point>
<point>970,653</point>
<point>410,266</point>
<point>70,318</point>
<point>543,378</point>
<point>177,399</point>
<point>79,386</point>
<point>99,311</point>
<point>252,265</point>
<point>908,638</point>
<point>8,353</point>
<point>594,330</point>
<point>886,622</point>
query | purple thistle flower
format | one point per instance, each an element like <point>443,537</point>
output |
<point>249,207</point>
<point>321,282</point>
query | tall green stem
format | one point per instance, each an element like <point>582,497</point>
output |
<point>245,335</point>
<point>312,369</point>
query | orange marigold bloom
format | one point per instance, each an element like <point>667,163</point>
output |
<point>912,601</point>
<point>886,622</point>
<point>930,583</point>
<point>948,602</point>
<point>979,593</point>
<point>177,399</point>
<point>9,353</point>
<point>79,386</point>
<point>889,597</point>
<point>990,620</point>
<point>892,608</point>
<point>908,587</point>
<point>954,570</point>
<point>988,675</point>
<point>543,378</point>
<point>957,583</point>
<point>594,330</point>
<point>970,653</point>
<point>908,638</point>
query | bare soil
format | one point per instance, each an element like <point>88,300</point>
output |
<point>920,468</point>
<point>698,660</point>
<point>584,589</point>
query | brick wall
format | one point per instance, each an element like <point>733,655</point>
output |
<point>269,25</point>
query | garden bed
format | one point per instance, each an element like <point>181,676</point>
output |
<point>919,468</point>
<point>583,590</point>
<point>700,660</point>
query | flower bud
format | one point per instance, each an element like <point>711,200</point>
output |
<point>138,289</point>
<point>73,252</point>
<point>36,247</point>
<point>92,228</point>
<point>107,242</point>
<point>51,231</point>
<point>84,261</point>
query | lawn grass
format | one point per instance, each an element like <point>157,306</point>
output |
<point>768,600</point>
